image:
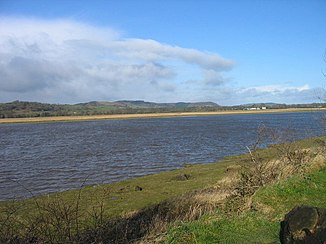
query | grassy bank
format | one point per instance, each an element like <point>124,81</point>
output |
<point>204,198</point>
<point>130,195</point>
<point>150,115</point>
<point>261,224</point>
<point>93,206</point>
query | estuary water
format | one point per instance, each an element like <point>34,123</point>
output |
<point>47,157</point>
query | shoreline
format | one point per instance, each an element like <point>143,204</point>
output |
<point>189,177</point>
<point>176,175</point>
<point>149,115</point>
<point>163,200</point>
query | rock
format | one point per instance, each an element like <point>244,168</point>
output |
<point>304,225</point>
<point>182,177</point>
<point>138,188</point>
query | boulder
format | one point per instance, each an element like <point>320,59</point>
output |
<point>304,225</point>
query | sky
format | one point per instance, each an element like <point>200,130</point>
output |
<point>228,52</point>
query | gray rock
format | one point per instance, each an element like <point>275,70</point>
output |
<point>304,225</point>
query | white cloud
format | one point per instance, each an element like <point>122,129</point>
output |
<point>67,61</point>
<point>214,78</point>
<point>274,93</point>
<point>152,50</point>
<point>277,88</point>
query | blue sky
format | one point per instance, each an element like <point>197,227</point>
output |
<point>229,52</point>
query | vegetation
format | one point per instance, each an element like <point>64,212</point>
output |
<point>19,109</point>
<point>264,192</point>
<point>242,198</point>
<point>261,224</point>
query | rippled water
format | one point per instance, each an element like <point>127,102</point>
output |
<point>42,158</point>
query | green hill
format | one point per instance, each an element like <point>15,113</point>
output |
<point>20,109</point>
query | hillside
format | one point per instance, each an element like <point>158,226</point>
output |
<point>21,109</point>
<point>144,104</point>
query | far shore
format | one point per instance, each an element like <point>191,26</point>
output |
<point>149,115</point>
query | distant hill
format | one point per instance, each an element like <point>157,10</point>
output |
<point>18,109</point>
<point>143,104</point>
<point>21,109</point>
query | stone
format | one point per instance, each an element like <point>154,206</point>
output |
<point>304,225</point>
<point>138,188</point>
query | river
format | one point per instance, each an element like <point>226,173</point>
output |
<point>47,157</point>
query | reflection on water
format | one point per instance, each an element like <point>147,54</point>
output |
<point>50,157</point>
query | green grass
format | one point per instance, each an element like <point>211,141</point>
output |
<point>261,225</point>
<point>282,197</point>
<point>247,228</point>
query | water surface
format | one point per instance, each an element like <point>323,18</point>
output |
<point>43,158</point>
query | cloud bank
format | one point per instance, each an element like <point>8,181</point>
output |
<point>64,61</point>
<point>67,61</point>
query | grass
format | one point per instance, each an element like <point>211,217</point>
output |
<point>246,228</point>
<point>262,223</point>
<point>149,115</point>
<point>275,201</point>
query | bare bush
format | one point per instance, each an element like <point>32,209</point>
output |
<point>259,170</point>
